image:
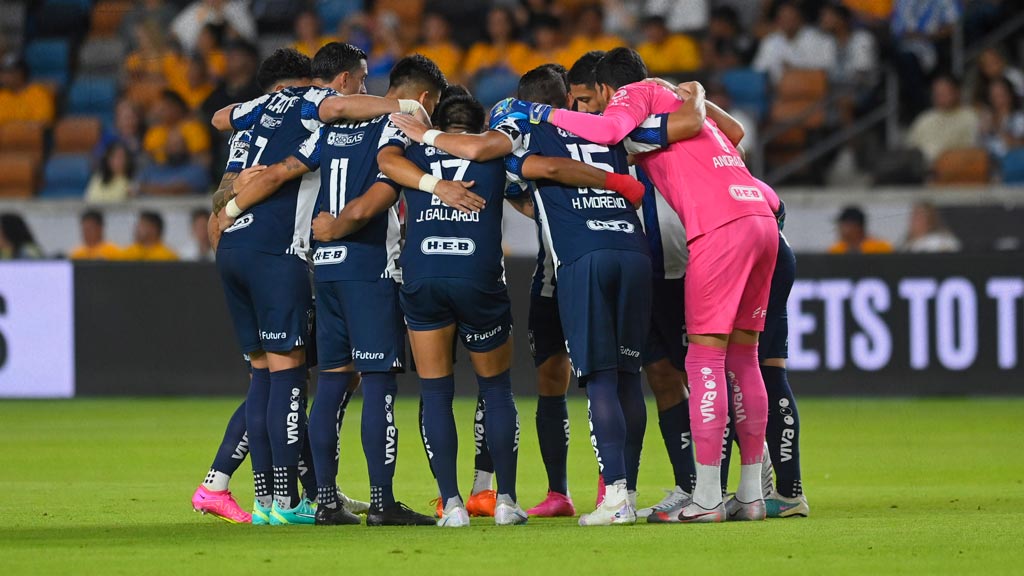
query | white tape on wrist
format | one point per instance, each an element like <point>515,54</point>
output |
<point>430,136</point>
<point>232,209</point>
<point>428,182</point>
<point>410,107</point>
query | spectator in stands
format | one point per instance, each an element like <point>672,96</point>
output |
<point>665,52</point>
<point>689,16</point>
<point>501,51</point>
<point>357,30</point>
<point>149,240</point>
<point>856,60</point>
<point>21,100</point>
<point>308,38</point>
<point>210,49</point>
<point>113,180</point>
<point>920,31</point>
<point>437,45</point>
<point>238,85</point>
<point>947,125</point>
<point>927,232</point>
<point>178,175</point>
<point>793,45</point>
<point>94,245</point>
<point>198,84</point>
<point>992,65</point>
<point>1002,126</point>
<point>127,130</point>
<point>199,248</point>
<point>231,13</point>
<point>716,93</point>
<point>547,41</point>
<point>530,13</point>
<point>387,45</point>
<point>16,240</point>
<point>590,35</point>
<point>726,45</point>
<point>147,62</point>
<point>170,113</point>
<point>853,237</point>
<point>157,12</point>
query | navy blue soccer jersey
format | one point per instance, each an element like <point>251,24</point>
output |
<point>279,123</point>
<point>666,237</point>
<point>544,281</point>
<point>346,154</point>
<point>442,242</point>
<point>238,151</point>
<point>576,221</point>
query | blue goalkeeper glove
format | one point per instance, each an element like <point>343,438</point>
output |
<point>510,107</point>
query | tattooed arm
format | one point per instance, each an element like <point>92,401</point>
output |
<point>263,185</point>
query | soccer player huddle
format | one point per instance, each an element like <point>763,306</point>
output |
<point>659,252</point>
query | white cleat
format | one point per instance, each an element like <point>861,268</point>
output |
<point>508,513</point>
<point>669,507</point>
<point>353,506</point>
<point>779,506</point>
<point>455,514</point>
<point>615,508</point>
<point>767,473</point>
<point>694,513</point>
<point>736,511</point>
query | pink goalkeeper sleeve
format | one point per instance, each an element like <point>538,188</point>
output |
<point>627,109</point>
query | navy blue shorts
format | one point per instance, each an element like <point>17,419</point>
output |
<point>667,337</point>
<point>774,342</point>
<point>481,311</point>
<point>360,322</point>
<point>604,298</point>
<point>269,298</point>
<point>545,329</point>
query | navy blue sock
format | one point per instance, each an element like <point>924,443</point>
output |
<point>284,422</point>
<point>380,435</point>
<point>234,446</point>
<point>783,432</point>
<point>675,431</point>
<point>502,429</point>
<point>323,432</point>
<point>307,471</point>
<point>423,439</point>
<point>634,409</point>
<point>482,461</point>
<point>553,434</point>
<point>260,452</point>
<point>608,424</point>
<point>439,433</point>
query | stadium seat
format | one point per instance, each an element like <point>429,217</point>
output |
<point>65,176</point>
<point>747,89</point>
<point>100,56</point>
<point>48,60</point>
<point>963,166</point>
<point>76,134</point>
<point>107,16</point>
<point>23,138</point>
<point>95,95</point>
<point>144,92</point>
<point>17,175</point>
<point>1013,167</point>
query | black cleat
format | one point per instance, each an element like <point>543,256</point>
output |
<point>397,514</point>
<point>335,516</point>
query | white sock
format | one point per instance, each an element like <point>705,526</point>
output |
<point>750,483</point>
<point>708,491</point>
<point>481,481</point>
<point>615,494</point>
<point>216,481</point>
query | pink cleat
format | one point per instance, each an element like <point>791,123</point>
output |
<point>553,506</point>
<point>219,503</point>
<point>600,491</point>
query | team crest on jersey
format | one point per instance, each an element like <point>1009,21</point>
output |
<point>330,255</point>
<point>611,226</point>
<point>244,222</point>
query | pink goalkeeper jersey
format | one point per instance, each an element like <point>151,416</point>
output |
<point>703,178</point>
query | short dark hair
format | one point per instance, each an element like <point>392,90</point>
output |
<point>243,46</point>
<point>335,58</point>
<point>155,219</point>
<point>841,11</point>
<point>92,214</point>
<point>544,85</point>
<point>418,69</point>
<point>560,70</point>
<point>584,71</point>
<point>16,230</point>
<point>283,64</point>
<point>174,98</point>
<point>621,66</point>
<point>727,14</point>
<point>852,214</point>
<point>459,108</point>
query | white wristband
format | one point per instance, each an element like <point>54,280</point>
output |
<point>410,107</point>
<point>232,209</point>
<point>430,136</point>
<point>428,182</point>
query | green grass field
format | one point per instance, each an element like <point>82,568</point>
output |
<point>896,487</point>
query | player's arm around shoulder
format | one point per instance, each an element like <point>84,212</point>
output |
<point>489,145</point>
<point>356,214</point>
<point>406,173</point>
<point>360,107</point>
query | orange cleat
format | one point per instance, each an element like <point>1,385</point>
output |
<point>482,503</point>
<point>436,502</point>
